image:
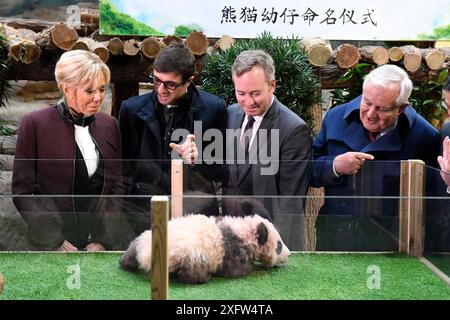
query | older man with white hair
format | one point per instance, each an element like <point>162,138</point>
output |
<point>379,126</point>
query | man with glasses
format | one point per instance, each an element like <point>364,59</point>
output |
<point>379,125</point>
<point>150,125</point>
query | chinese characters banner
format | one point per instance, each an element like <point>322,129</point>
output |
<point>329,19</point>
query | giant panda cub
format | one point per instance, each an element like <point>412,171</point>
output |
<point>201,246</point>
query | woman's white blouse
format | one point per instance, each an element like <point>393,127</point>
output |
<point>87,147</point>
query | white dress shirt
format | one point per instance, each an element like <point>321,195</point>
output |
<point>256,124</point>
<point>87,147</point>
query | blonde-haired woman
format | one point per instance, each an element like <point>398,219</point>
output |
<point>72,151</point>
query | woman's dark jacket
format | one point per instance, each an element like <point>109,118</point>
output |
<point>44,167</point>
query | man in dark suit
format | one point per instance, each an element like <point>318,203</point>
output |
<point>151,124</point>
<point>381,126</point>
<point>268,146</point>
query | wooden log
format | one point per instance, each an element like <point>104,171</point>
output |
<point>319,51</point>
<point>59,36</point>
<point>19,32</point>
<point>88,44</point>
<point>411,219</point>
<point>198,67</point>
<point>412,58</point>
<point>25,51</point>
<point>150,47</point>
<point>115,46</point>
<point>22,47</point>
<point>330,74</point>
<point>123,69</point>
<point>159,245</point>
<point>379,55</point>
<point>446,52</point>
<point>63,36</point>
<point>168,40</point>
<point>434,58</point>
<point>131,47</point>
<point>224,43</point>
<point>403,209</point>
<point>83,44</point>
<point>197,42</point>
<point>89,16</point>
<point>317,116</point>
<point>314,201</point>
<point>82,29</point>
<point>137,69</point>
<point>101,49</point>
<point>395,54</point>
<point>177,188</point>
<point>347,56</point>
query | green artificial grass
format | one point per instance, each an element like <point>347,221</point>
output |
<point>306,276</point>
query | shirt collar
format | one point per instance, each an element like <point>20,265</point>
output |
<point>260,117</point>
<point>382,133</point>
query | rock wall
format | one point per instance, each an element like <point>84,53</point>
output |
<point>12,227</point>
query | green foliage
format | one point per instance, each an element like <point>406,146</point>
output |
<point>183,31</point>
<point>5,131</point>
<point>297,83</point>
<point>442,32</point>
<point>426,98</point>
<point>115,22</point>
<point>357,73</point>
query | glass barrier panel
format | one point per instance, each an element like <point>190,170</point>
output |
<point>355,212</point>
<point>47,202</point>
<point>436,218</point>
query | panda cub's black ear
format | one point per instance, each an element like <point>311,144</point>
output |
<point>262,234</point>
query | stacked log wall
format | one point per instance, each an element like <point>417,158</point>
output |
<point>131,58</point>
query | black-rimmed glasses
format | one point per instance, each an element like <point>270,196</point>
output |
<point>170,85</point>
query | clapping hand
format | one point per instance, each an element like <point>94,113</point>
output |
<point>188,150</point>
<point>444,161</point>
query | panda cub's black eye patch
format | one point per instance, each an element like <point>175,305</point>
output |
<point>279,247</point>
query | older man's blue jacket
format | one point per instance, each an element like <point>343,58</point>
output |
<point>342,131</point>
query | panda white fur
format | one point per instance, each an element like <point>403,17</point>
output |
<point>200,246</point>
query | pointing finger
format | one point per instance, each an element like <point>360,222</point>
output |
<point>364,156</point>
